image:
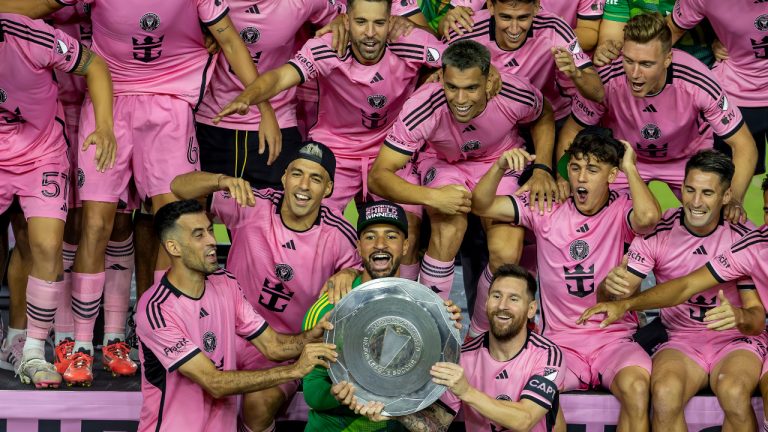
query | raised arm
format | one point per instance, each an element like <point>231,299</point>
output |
<point>646,211</point>
<point>262,89</point>
<point>200,184</point>
<point>485,202</point>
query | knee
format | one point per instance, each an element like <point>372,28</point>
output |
<point>260,408</point>
<point>122,228</point>
<point>734,395</point>
<point>635,390</point>
<point>97,226</point>
<point>667,395</point>
<point>503,251</point>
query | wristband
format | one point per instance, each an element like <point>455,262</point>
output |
<point>543,168</point>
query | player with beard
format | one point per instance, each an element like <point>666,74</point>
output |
<point>382,230</point>
<point>285,246</point>
<point>189,326</point>
<point>577,244</point>
<point>668,105</point>
<point>509,377</point>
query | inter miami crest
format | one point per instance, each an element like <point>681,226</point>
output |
<point>429,176</point>
<point>433,55</point>
<point>579,250</point>
<point>377,101</point>
<point>651,132</point>
<point>250,35</point>
<point>761,23</point>
<point>284,272</point>
<point>723,103</point>
<point>209,341</point>
<point>3,96</point>
<point>80,178</point>
<point>470,146</point>
<point>149,22</point>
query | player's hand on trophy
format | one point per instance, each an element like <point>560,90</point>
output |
<point>340,34</point>
<point>399,26</point>
<point>458,19</point>
<point>269,133</point>
<point>450,375</point>
<point>340,284</point>
<point>315,334</point>
<point>372,410</point>
<point>617,281</point>
<point>543,190</point>
<point>565,63</point>
<point>722,317</point>
<point>450,199</point>
<point>106,147</point>
<point>629,161</point>
<point>239,189</point>
<point>315,354</point>
<point>344,393</point>
<point>606,52</point>
<point>455,312</point>
<point>612,311</point>
<point>240,105</point>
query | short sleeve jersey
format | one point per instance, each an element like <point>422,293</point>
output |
<point>573,10</point>
<point>671,125</point>
<point>156,47</point>
<point>672,251</point>
<point>359,103</point>
<point>31,118</point>
<point>427,119</point>
<point>745,258</point>
<point>267,27</point>
<point>173,328</point>
<point>535,373</point>
<point>282,271</point>
<point>533,59</point>
<point>575,252</point>
<point>743,28</point>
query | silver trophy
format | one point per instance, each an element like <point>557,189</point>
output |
<point>388,333</point>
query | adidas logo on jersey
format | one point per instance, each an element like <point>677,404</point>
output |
<point>502,375</point>
<point>289,245</point>
<point>582,229</point>
<point>650,108</point>
<point>203,313</point>
<point>377,78</point>
<point>253,9</point>
<point>469,128</point>
<point>700,251</point>
<point>512,63</point>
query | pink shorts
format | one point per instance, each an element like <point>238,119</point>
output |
<point>671,173</point>
<point>718,345</point>
<point>42,190</point>
<point>598,366</point>
<point>156,142</point>
<point>436,173</point>
<point>351,182</point>
<point>250,358</point>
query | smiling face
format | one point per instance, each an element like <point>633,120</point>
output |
<point>513,20</point>
<point>368,23</point>
<point>193,242</point>
<point>703,197</point>
<point>589,180</point>
<point>306,183</point>
<point>381,247</point>
<point>465,92</point>
<point>646,66</point>
<point>509,307</point>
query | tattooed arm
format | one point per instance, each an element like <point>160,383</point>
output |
<point>433,418</point>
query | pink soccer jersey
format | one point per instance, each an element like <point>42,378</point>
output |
<point>282,271</point>
<point>475,5</point>
<point>427,119</point>
<point>672,251</point>
<point>172,329</point>
<point>743,28</point>
<point>155,47</point>
<point>533,59</point>
<point>745,258</point>
<point>574,253</point>
<point>535,373</point>
<point>572,10</point>
<point>669,127</point>
<point>359,103</point>
<point>267,27</point>
<point>31,118</point>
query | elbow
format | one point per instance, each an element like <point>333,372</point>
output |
<point>375,181</point>
<point>524,422</point>
<point>211,386</point>
<point>647,220</point>
<point>177,188</point>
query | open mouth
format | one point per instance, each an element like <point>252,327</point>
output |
<point>514,37</point>
<point>582,194</point>
<point>380,261</point>
<point>462,110</point>
<point>301,199</point>
<point>637,86</point>
<point>210,256</point>
<point>697,213</point>
<point>370,46</point>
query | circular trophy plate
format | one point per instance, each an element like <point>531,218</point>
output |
<point>388,333</point>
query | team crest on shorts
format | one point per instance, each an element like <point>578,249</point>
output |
<point>209,341</point>
<point>503,397</point>
<point>250,35</point>
<point>149,22</point>
<point>470,146</point>
<point>579,250</point>
<point>651,132</point>
<point>723,103</point>
<point>761,23</point>
<point>80,178</point>
<point>377,101</point>
<point>3,96</point>
<point>284,272</point>
<point>429,176</point>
